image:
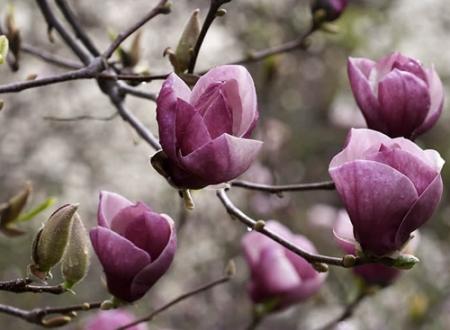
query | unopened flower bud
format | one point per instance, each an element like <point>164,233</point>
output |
<point>75,263</point>
<point>4,47</point>
<point>56,321</point>
<point>10,211</point>
<point>327,10</point>
<point>51,241</point>
<point>183,53</point>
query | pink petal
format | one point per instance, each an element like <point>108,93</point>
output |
<point>147,230</point>
<point>109,205</point>
<point>222,159</point>
<point>148,276</point>
<point>421,211</point>
<point>404,102</point>
<point>343,233</point>
<point>173,89</point>
<point>377,198</point>
<point>419,172</point>
<point>241,97</point>
<point>436,91</point>
<point>121,261</point>
<point>360,142</point>
<point>364,92</point>
<point>191,132</point>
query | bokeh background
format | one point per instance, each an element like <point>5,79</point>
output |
<point>306,109</point>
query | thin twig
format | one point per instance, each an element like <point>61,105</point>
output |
<point>24,285</point>
<point>250,223</point>
<point>53,22</point>
<point>176,301</point>
<point>162,7</point>
<point>38,315</point>
<point>126,89</point>
<point>82,117</point>
<point>347,313</point>
<point>300,43</point>
<point>76,27</point>
<point>50,57</point>
<point>214,6</point>
<point>326,185</point>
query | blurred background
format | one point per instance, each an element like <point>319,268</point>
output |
<point>306,109</point>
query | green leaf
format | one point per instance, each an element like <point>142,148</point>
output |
<point>38,209</point>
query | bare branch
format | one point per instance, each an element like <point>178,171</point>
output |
<point>163,7</point>
<point>76,27</point>
<point>53,22</point>
<point>126,89</point>
<point>214,6</point>
<point>276,189</point>
<point>24,285</point>
<point>176,301</point>
<point>50,57</point>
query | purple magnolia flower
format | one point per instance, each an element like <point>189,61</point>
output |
<point>376,274</point>
<point>333,8</point>
<point>134,245</point>
<point>108,320</point>
<point>390,187</point>
<point>204,132</point>
<point>396,95</point>
<point>277,273</point>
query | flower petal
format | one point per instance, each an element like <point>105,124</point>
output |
<point>173,89</point>
<point>240,96</point>
<point>360,142</point>
<point>191,132</point>
<point>436,91</point>
<point>222,159</point>
<point>404,102</point>
<point>148,276</point>
<point>421,211</point>
<point>147,230</point>
<point>377,198</point>
<point>121,261</point>
<point>343,233</point>
<point>418,171</point>
<point>109,205</point>
<point>364,92</point>
<point>274,273</point>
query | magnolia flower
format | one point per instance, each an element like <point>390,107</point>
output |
<point>374,274</point>
<point>205,132</point>
<point>134,245</point>
<point>396,95</point>
<point>390,187</point>
<point>278,274</point>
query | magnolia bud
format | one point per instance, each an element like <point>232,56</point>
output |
<point>183,53</point>
<point>51,241</point>
<point>327,10</point>
<point>56,321</point>
<point>75,263</point>
<point>4,47</point>
<point>10,211</point>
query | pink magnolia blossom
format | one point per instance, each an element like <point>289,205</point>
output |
<point>390,188</point>
<point>134,245</point>
<point>277,273</point>
<point>205,132</point>
<point>396,95</point>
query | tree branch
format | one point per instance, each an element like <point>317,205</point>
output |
<point>76,27</point>
<point>24,285</point>
<point>50,58</point>
<point>38,315</point>
<point>250,223</point>
<point>176,301</point>
<point>53,22</point>
<point>214,6</point>
<point>163,7</point>
<point>276,189</point>
<point>126,89</point>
